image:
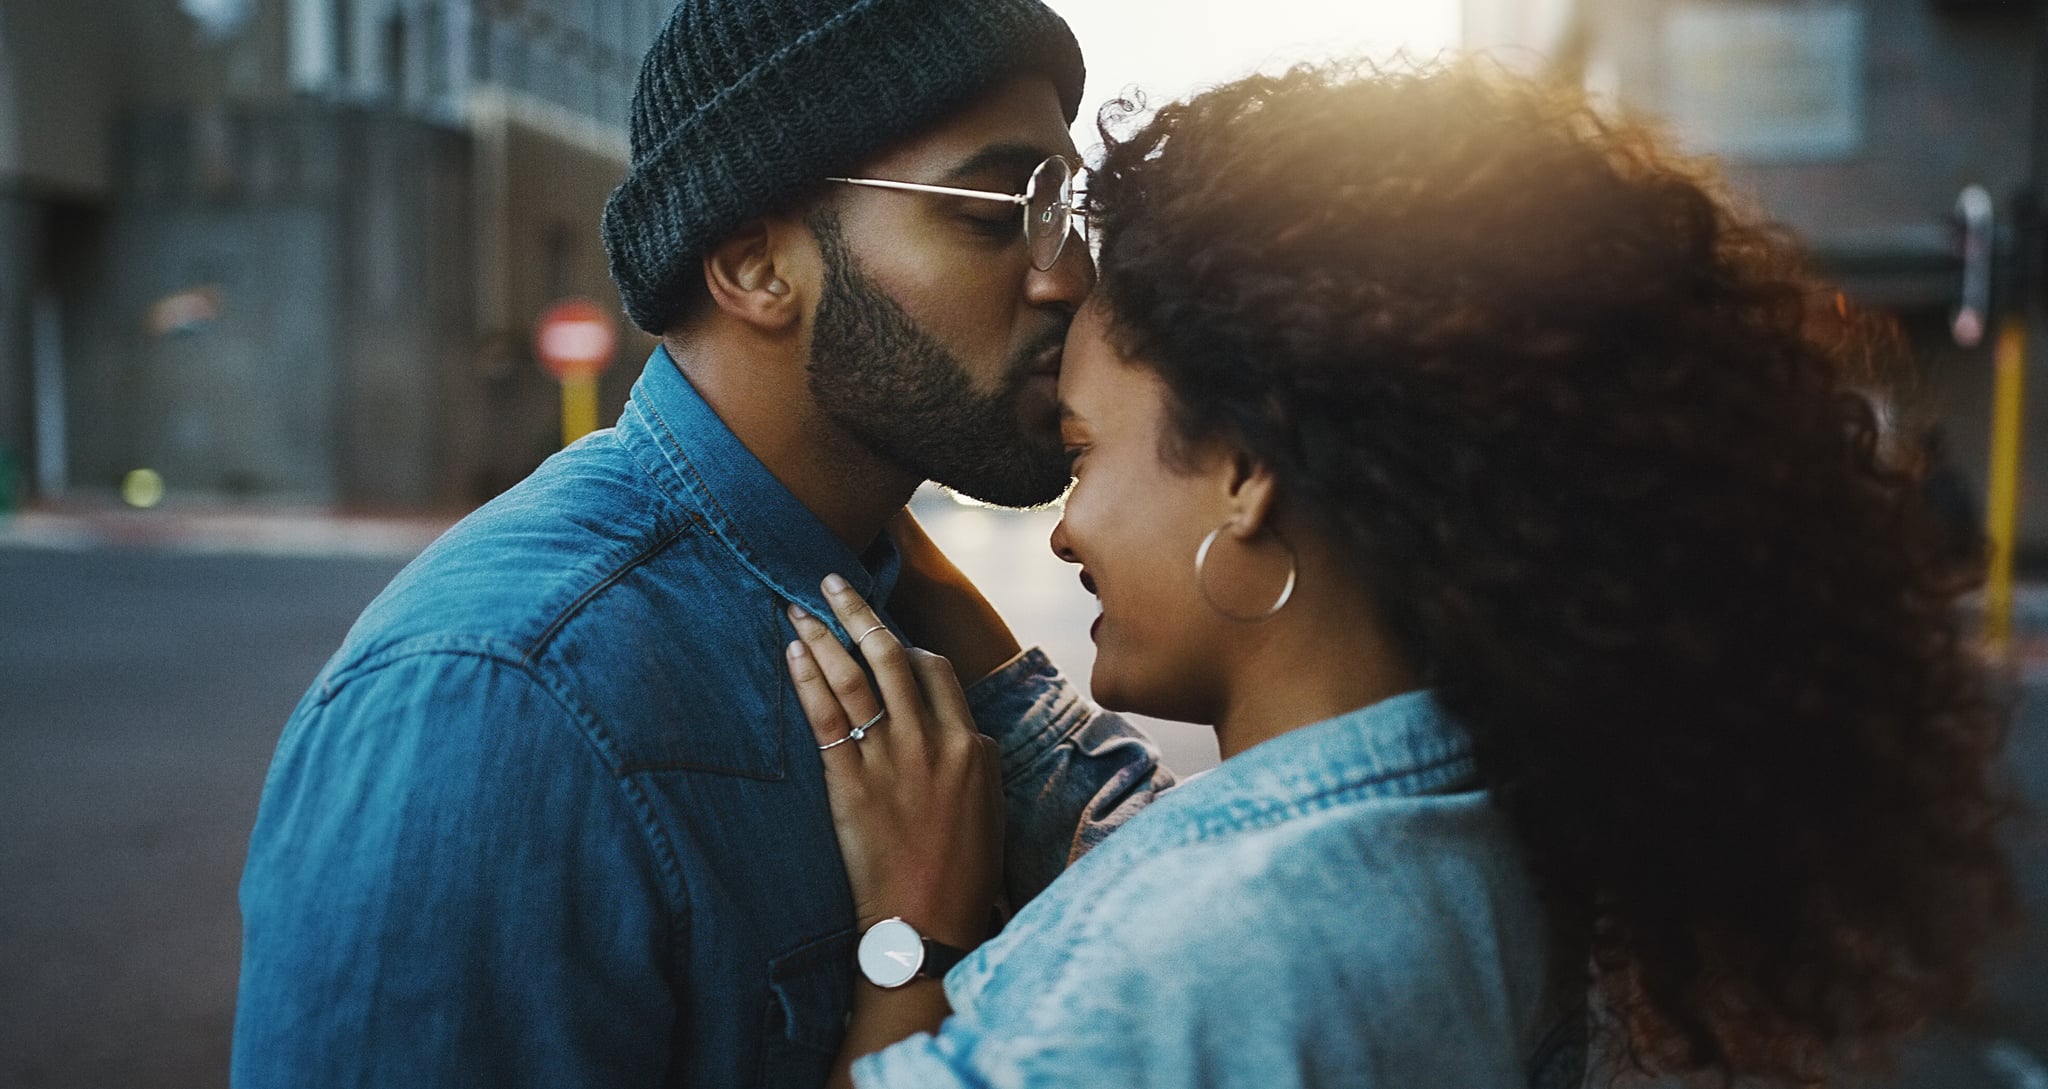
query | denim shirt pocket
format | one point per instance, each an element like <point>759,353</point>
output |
<point>724,700</point>
<point>810,990</point>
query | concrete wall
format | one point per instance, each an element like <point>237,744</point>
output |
<point>333,245</point>
<point>19,242</point>
<point>541,180</point>
<point>376,276</point>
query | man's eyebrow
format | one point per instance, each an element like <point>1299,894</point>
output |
<point>1010,159</point>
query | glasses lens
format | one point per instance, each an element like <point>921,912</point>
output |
<point>1049,211</point>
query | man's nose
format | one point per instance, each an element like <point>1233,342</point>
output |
<point>1066,284</point>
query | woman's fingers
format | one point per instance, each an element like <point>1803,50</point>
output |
<point>941,685</point>
<point>919,689</point>
<point>841,678</point>
<point>919,811</point>
<point>814,694</point>
<point>942,694</point>
<point>885,654</point>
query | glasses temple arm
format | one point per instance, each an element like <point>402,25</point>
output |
<point>943,190</point>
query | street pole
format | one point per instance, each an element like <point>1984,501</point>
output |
<point>579,406</point>
<point>2002,497</point>
<point>2023,304</point>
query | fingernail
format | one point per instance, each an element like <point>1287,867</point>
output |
<point>836,585</point>
<point>797,613</point>
<point>796,650</point>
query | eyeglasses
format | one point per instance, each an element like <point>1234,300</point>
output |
<point>1048,202</point>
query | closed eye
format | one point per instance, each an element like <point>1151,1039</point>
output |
<point>1004,226</point>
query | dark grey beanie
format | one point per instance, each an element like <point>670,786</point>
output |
<point>743,104</point>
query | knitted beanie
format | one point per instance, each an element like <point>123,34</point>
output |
<point>744,104</point>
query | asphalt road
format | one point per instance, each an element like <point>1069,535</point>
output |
<point>141,692</point>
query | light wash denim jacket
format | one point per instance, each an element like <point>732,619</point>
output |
<point>1339,906</point>
<point>552,816</point>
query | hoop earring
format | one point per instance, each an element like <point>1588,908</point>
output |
<point>1202,581</point>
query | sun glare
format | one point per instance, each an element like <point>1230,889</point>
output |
<point>1168,48</point>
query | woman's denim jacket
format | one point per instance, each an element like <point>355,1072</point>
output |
<point>1339,906</point>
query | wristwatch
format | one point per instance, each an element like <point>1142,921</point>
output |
<point>892,953</point>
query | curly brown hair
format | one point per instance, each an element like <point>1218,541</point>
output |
<point>1563,403</point>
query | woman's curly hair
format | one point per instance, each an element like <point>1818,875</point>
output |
<point>1567,409</point>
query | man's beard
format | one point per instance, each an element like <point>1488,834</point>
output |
<point>911,402</point>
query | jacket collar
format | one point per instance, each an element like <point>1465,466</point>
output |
<point>674,433</point>
<point>1402,745</point>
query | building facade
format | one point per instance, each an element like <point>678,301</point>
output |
<point>293,249</point>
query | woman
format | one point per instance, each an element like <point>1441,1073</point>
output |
<point>1470,465</point>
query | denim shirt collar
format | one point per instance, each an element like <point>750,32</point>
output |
<point>1402,745</point>
<point>675,434</point>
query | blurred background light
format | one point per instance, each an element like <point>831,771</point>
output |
<point>183,313</point>
<point>218,19</point>
<point>142,488</point>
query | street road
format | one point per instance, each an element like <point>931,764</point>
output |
<point>141,691</point>
<point>141,694</point>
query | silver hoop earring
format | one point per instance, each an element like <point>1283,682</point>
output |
<point>1202,581</point>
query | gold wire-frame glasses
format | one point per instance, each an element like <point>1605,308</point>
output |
<point>1047,200</point>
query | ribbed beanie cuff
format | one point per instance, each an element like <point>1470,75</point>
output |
<point>744,104</point>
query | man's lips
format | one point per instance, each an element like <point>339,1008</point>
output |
<point>1047,361</point>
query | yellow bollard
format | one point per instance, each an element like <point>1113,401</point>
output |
<point>579,407</point>
<point>2001,501</point>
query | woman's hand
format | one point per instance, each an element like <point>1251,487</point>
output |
<point>942,609</point>
<point>916,799</point>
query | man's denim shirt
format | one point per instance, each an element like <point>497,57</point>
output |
<point>1337,906</point>
<point>552,815</point>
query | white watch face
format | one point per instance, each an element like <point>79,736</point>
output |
<point>891,953</point>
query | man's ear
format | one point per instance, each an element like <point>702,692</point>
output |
<point>1252,494</point>
<point>744,282</point>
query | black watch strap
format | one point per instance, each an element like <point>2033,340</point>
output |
<point>939,958</point>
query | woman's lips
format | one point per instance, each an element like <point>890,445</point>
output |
<point>1088,584</point>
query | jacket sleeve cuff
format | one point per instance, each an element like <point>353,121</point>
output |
<point>1027,706</point>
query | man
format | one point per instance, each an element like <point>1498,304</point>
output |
<point>552,815</point>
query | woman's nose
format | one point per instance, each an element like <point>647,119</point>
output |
<point>1059,543</point>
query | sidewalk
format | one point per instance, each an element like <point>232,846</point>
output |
<point>225,529</point>
<point>269,529</point>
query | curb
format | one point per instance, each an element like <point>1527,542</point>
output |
<point>253,531</point>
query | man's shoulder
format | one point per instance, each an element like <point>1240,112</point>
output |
<point>508,573</point>
<point>609,594</point>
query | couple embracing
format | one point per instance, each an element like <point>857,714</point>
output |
<point>1588,684</point>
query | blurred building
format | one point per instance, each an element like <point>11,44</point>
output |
<point>1856,122</point>
<point>295,248</point>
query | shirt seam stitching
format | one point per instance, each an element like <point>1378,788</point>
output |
<point>593,738</point>
<point>661,544</point>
